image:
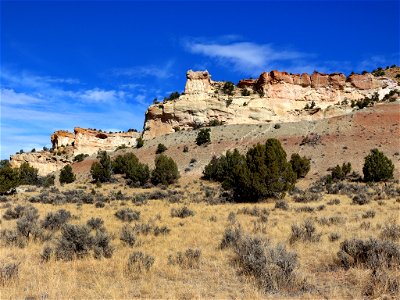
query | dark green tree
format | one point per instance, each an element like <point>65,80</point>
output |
<point>137,172</point>
<point>161,148</point>
<point>203,136</point>
<point>263,172</point>
<point>219,168</point>
<point>28,174</point>
<point>129,165</point>
<point>8,177</point>
<point>101,171</point>
<point>300,165</point>
<point>66,175</point>
<point>377,167</point>
<point>165,172</point>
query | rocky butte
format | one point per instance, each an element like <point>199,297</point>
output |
<point>66,145</point>
<point>272,97</point>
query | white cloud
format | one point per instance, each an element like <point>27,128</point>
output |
<point>157,71</point>
<point>98,95</point>
<point>244,56</point>
<point>11,97</point>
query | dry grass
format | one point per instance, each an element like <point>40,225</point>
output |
<point>217,274</point>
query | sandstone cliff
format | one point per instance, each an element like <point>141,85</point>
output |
<point>89,141</point>
<point>273,97</point>
<point>67,144</point>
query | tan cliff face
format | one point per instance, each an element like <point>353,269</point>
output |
<point>45,161</point>
<point>274,97</point>
<point>66,145</point>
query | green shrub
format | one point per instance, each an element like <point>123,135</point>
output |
<point>28,174</point>
<point>172,96</point>
<point>80,157</point>
<point>203,136</point>
<point>101,171</point>
<point>340,172</point>
<point>161,149</point>
<point>120,147</point>
<point>129,165</point>
<point>139,143</point>
<point>136,171</point>
<point>263,172</point>
<point>9,177</point>
<point>66,175</point>
<point>377,167</point>
<point>366,101</point>
<point>228,88</point>
<point>300,165</point>
<point>245,92</point>
<point>215,122</point>
<point>165,172</point>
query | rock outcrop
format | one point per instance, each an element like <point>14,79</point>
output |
<point>274,97</point>
<point>67,144</point>
<point>45,161</point>
<point>90,141</point>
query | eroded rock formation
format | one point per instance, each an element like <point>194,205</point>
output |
<point>274,97</point>
<point>67,144</point>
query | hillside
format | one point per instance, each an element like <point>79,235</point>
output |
<point>339,139</point>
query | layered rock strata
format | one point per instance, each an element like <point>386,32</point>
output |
<point>273,97</point>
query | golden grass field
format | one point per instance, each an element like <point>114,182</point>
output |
<point>217,275</point>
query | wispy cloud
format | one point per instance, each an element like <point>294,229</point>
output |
<point>32,107</point>
<point>157,71</point>
<point>11,97</point>
<point>245,57</point>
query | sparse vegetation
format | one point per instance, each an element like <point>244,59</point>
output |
<point>80,157</point>
<point>228,88</point>
<point>203,136</point>
<point>139,142</point>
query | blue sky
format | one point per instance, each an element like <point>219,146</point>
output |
<point>100,64</point>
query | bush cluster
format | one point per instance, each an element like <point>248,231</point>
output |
<point>182,212</point>
<point>273,267</point>
<point>262,172</point>
<point>305,233</point>
<point>371,253</point>
<point>188,259</point>
<point>127,215</point>
<point>340,172</point>
<point>139,262</point>
<point>133,169</point>
<point>77,241</point>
